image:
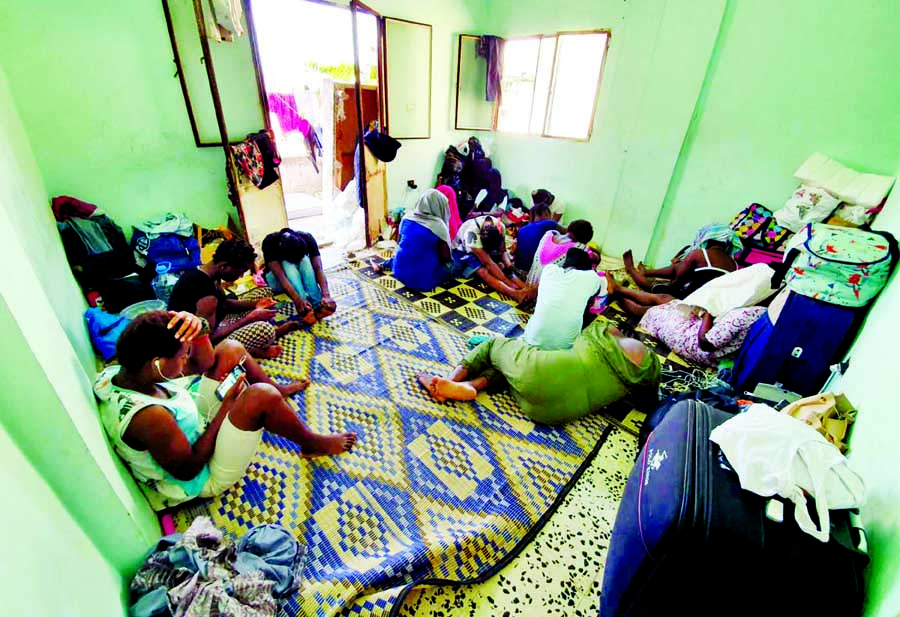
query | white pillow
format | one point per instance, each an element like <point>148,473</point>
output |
<point>808,204</point>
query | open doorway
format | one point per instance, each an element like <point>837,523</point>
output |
<point>307,63</point>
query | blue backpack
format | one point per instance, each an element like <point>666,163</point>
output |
<point>180,251</point>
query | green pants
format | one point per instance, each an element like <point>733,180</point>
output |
<point>559,386</point>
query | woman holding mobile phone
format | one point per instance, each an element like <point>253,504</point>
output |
<point>161,412</point>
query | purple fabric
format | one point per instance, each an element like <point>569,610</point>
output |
<point>491,49</point>
<point>284,106</point>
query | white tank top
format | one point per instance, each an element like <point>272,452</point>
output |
<point>117,408</point>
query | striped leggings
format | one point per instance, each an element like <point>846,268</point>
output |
<point>258,335</point>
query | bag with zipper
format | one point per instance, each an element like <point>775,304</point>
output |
<point>839,265</point>
<point>757,228</point>
<point>183,252</point>
<point>685,523</point>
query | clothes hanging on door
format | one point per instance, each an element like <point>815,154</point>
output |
<point>491,49</point>
<point>284,106</point>
<point>223,20</point>
<point>258,158</point>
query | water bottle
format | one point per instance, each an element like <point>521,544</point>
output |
<point>164,281</point>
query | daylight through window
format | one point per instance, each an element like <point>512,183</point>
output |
<point>550,84</point>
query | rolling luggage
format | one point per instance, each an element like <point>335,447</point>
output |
<point>798,349</point>
<point>689,541</point>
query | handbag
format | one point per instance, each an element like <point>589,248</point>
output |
<point>757,228</point>
<point>830,414</point>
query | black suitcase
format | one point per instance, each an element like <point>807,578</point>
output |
<point>689,541</point>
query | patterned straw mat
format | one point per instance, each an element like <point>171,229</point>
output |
<point>430,493</point>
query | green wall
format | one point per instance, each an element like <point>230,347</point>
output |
<point>47,407</point>
<point>421,159</point>
<point>788,79</point>
<point>94,82</point>
<point>51,568</point>
<point>870,383</point>
<point>650,85</point>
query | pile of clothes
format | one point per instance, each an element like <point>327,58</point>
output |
<point>204,573</point>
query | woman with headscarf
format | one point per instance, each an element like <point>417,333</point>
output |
<point>492,198</point>
<point>455,220</point>
<point>423,259</point>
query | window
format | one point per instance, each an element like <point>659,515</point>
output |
<point>550,84</point>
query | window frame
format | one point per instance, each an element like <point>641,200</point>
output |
<point>552,87</point>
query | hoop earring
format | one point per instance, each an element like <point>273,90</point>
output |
<point>163,375</point>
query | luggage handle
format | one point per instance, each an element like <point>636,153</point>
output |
<point>861,540</point>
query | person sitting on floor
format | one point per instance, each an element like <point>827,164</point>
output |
<point>493,198</point>
<point>557,386</point>
<point>455,220</point>
<point>543,197</point>
<point>294,267</point>
<point>690,331</point>
<point>555,244</point>
<point>161,412</point>
<point>480,248</point>
<point>246,319</point>
<point>423,259</point>
<point>562,298</point>
<point>529,238</point>
<point>686,275</point>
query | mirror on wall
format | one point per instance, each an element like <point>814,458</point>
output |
<point>407,49</point>
<point>473,112</point>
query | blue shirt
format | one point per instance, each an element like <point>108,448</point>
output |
<point>416,262</point>
<point>529,239</point>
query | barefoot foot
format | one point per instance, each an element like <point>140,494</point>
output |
<point>292,388</point>
<point>272,351</point>
<point>429,382</point>
<point>457,391</point>
<point>628,258</point>
<point>610,284</point>
<point>286,328</point>
<point>327,445</point>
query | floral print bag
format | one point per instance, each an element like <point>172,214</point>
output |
<point>839,265</point>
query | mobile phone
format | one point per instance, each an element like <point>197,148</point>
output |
<point>230,379</point>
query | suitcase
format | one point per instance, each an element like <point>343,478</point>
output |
<point>798,349</point>
<point>689,541</point>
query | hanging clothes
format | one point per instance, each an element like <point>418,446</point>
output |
<point>258,158</point>
<point>285,108</point>
<point>491,49</point>
<point>223,20</point>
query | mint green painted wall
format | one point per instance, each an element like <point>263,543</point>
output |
<point>871,384</point>
<point>650,85</point>
<point>48,408</point>
<point>94,83</point>
<point>788,79</point>
<point>51,568</point>
<point>421,159</point>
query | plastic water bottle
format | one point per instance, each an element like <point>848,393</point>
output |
<point>164,281</point>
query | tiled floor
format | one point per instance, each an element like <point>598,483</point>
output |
<point>561,571</point>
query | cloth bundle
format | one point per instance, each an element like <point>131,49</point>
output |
<point>204,574</point>
<point>776,454</point>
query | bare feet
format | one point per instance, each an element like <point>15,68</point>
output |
<point>610,284</point>
<point>628,258</point>
<point>429,382</point>
<point>525,295</point>
<point>327,445</point>
<point>272,351</point>
<point>292,388</point>
<point>286,328</point>
<point>443,389</point>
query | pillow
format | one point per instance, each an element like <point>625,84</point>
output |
<point>808,204</point>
